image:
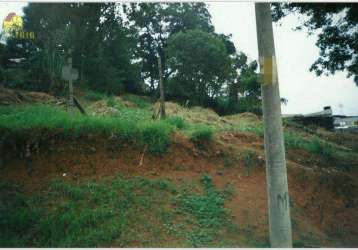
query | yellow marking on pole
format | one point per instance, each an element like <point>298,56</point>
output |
<point>268,70</point>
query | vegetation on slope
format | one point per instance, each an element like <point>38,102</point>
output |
<point>118,212</point>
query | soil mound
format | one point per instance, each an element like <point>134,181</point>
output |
<point>12,96</point>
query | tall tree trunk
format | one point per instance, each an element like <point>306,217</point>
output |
<point>152,87</point>
<point>70,83</point>
<point>161,88</point>
<point>52,71</point>
<point>81,68</point>
<point>276,173</point>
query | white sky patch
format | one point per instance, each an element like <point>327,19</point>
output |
<point>295,53</point>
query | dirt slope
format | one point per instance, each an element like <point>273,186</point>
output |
<point>322,210</point>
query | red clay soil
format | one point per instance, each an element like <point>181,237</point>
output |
<point>315,207</point>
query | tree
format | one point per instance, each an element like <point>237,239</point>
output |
<point>248,86</point>
<point>337,28</point>
<point>201,65</point>
<point>154,23</point>
<point>103,49</point>
<point>276,173</point>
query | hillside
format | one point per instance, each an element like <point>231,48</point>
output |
<point>118,178</point>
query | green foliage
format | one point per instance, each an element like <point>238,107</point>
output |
<point>176,121</point>
<point>94,95</point>
<point>337,24</point>
<point>208,209</point>
<point>132,124</point>
<point>102,48</point>
<point>202,133</point>
<point>313,145</point>
<point>141,101</point>
<point>112,212</point>
<point>249,157</point>
<point>156,135</point>
<point>202,64</point>
<point>147,17</point>
<point>321,147</point>
<point>111,102</point>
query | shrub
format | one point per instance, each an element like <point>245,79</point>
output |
<point>111,102</point>
<point>201,134</point>
<point>321,147</point>
<point>156,135</point>
<point>94,96</point>
<point>293,140</point>
<point>176,121</point>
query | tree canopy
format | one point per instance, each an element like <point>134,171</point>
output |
<point>115,47</point>
<point>337,28</point>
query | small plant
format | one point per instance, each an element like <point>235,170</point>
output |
<point>230,159</point>
<point>202,134</point>
<point>249,160</point>
<point>209,211</point>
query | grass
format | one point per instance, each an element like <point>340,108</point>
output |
<point>312,145</point>
<point>94,95</point>
<point>202,133</point>
<point>208,211</point>
<point>19,122</point>
<point>116,212</point>
<point>177,121</point>
<point>141,102</point>
<point>87,215</point>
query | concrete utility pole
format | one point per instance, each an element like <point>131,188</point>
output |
<point>161,89</point>
<point>276,173</point>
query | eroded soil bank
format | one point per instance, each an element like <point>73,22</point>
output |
<point>323,200</point>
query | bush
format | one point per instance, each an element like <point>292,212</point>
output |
<point>201,134</point>
<point>321,147</point>
<point>94,96</point>
<point>176,121</point>
<point>156,135</point>
<point>111,102</point>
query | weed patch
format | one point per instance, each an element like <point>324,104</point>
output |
<point>94,96</point>
<point>141,102</point>
<point>176,121</point>
<point>249,157</point>
<point>22,122</point>
<point>90,214</point>
<point>208,210</point>
<point>312,145</point>
<point>202,134</point>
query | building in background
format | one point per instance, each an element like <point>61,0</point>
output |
<point>326,119</point>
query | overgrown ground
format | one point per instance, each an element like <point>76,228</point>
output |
<point>116,177</point>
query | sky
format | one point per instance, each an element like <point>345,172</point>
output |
<point>295,53</point>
